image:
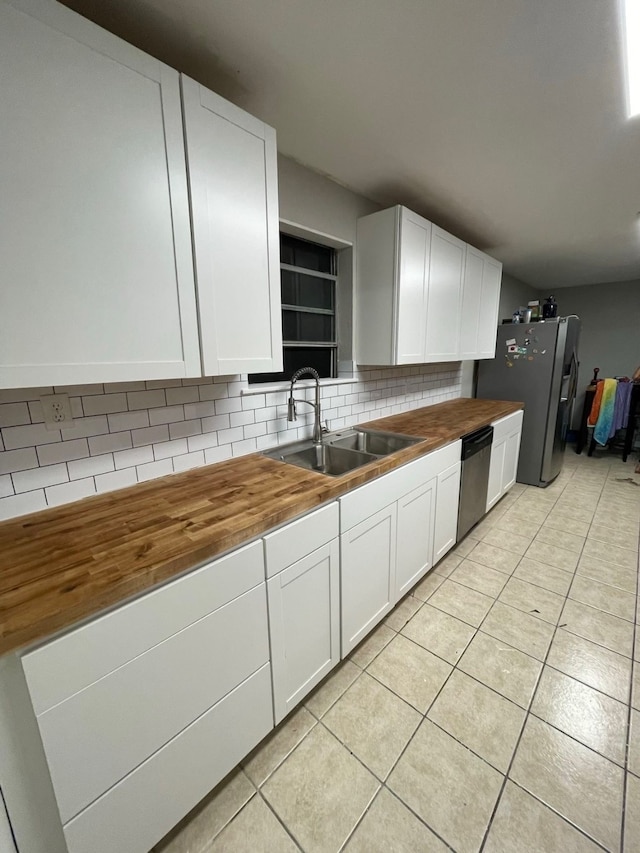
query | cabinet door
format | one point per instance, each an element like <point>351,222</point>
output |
<point>415,238</point>
<point>234,207</point>
<point>6,836</point>
<point>496,467</point>
<point>367,563</point>
<point>416,518</point>
<point>447,499</point>
<point>511,454</point>
<point>304,625</point>
<point>97,277</point>
<point>471,303</point>
<point>488,313</point>
<point>444,296</point>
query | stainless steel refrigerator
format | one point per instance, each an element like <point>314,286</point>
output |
<point>537,364</point>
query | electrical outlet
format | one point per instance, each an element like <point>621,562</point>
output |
<point>57,411</point>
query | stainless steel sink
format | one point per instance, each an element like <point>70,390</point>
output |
<point>324,458</point>
<point>371,441</point>
<point>341,451</point>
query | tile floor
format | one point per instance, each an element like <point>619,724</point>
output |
<point>496,709</point>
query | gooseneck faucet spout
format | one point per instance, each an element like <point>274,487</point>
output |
<point>291,403</point>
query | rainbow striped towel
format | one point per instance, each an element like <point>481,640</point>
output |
<point>602,430</point>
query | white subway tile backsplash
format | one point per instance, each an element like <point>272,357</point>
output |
<point>28,436</point>
<point>109,443</point>
<point>14,414</point>
<point>180,424</point>
<point>68,492</point>
<point>128,420</point>
<point>22,504</point>
<point>39,478</point>
<point>18,460</point>
<point>116,480</point>
<point>146,399</point>
<point>63,451</point>
<point>131,458</point>
<point>91,466</point>
<point>103,404</point>
<point>150,435</point>
<point>154,469</point>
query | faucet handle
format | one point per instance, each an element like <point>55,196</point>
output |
<point>325,427</point>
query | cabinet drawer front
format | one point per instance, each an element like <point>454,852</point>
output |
<point>67,665</point>
<point>144,806</point>
<point>96,737</point>
<point>289,544</point>
<point>374,496</point>
<point>505,426</point>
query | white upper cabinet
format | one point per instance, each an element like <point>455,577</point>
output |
<point>445,296</point>
<point>422,294</point>
<point>234,206</point>
<point>97,275</point>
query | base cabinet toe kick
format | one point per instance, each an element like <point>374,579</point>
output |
<point>112,732</point>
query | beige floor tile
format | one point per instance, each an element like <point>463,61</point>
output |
<point>553,555</point>
<point>527,633</point>
<point>523,824</point>
<point>505,669</point>
<point>602,628</point>
<point>613,519</point>
<point>576,782</point>
<point>332,688</point>
<point>620,538</point>
<point>636,647</point>
<point>268,755</point>
<point>566,509</point>
<point>410,671</point>
<point>211,815</point>
<point>254,830</point>
<point>320,792</point>
<point>517,525</point>
<point>390,826</point>
<point>596,720</point>
<point>402,612</point>
<point>555,580</point>
<point>495,558</point>
<point>568,541</point>
<point>479,577</point>
<point>372,646</point>
<point>610,599</point>
<point>373,723</point>
<point>634,742</point>
<point>449,787</point>
<point>532,599</point>
<point>596,666</point>
<point>479,718</point>
<point>626,579</point>
<point>564,524</point>
<point>517,543</point>
<point>447,564</point>
<point>528,515</point>
<point>632,815</point>
<point>460,601</point>
<point>464,547</point>
<point>635,687</point>
<point>440,633</point>
<point>427,586</point>
<point>611,553</point>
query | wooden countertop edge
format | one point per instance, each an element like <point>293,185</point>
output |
<point>68,594</point>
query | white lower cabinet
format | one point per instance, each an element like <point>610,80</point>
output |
<point>446,524</point>
<point>505,452</point>
<point>416,518</point>
<point>304,605</point>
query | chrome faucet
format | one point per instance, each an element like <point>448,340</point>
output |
<point>291,404</point>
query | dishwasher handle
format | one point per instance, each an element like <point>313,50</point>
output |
<point>476,441</point>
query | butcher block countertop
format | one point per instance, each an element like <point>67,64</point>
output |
<point>68,563</point>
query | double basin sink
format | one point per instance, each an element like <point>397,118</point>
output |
<point>341,452</point>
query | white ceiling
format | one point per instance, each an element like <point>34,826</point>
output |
<point>501,120</point>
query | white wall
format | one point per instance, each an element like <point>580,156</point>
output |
<point>513,294</point>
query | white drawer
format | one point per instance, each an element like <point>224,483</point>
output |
<point>388,488</point>
<point>144,806</point>
<point>95,738</point>
<point>294,541</point>
<point>64,666</point>
<point>505,426</point>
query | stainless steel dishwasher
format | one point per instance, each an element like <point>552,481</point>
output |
<point>474,478</point>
